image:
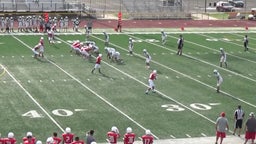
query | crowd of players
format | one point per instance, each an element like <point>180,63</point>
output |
<point>69,138</point>
<point>37,24</point>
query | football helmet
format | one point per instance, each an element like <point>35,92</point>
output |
<point>10,135</point>
<point>129,130</point>
<point>68,130</point>
<point>148,132</point>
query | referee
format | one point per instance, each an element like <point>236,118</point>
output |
<point>238,116</point>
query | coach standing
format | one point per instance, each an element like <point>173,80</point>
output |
<point>221,126</point>
<point>250,127</point>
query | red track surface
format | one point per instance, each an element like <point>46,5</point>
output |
<point>173,23</point>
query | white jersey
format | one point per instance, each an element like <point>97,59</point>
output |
<point>219,78</point>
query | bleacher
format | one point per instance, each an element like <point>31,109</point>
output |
<point>155,9</point>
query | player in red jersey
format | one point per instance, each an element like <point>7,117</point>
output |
<point>113,135</point>
<point>77,141</point>
<point>10,139</point>
<point>1,140</point>
<point>129,137</point>
<point>29,139</point>
<point>151,79</point>
<point>85,51</point>
<point>50,140</point>
<point>147,138</point>
<point>67,137</point>
<point>76,46</point>
<point>56,139</point>
<point>97,63</point>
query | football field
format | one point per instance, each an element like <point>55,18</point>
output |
<point>48,94</point>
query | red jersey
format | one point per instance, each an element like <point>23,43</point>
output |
<point>147,139</point>
<point>27,141</point>
<point>112,137</point>
<point>37,46</point>
<point>41,42</point>
<point>67,138</point>
<point>86,48</point>
<point>57,140</point>
<point>10,140</point>
<point>78,142</point>
<point>76,44</point>
<point>98,60</point>
<point>2,141</point>
<point>152,76</point>
<point>129,138</point>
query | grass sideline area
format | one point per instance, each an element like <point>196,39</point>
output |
<point>67,94</point>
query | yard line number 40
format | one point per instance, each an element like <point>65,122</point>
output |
<point>168,107</point>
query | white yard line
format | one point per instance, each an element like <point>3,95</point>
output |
<point>93,92</point>
<point>33,99</point>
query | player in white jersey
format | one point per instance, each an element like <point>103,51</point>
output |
<point>223,58</point>
<point>148,58</point>
<point>130,46</point>
<point>110,51</point>
<point>219,79</point>
<point>164,37</point>
<point>246,41</point>
<point>106,39</point>
<point>50,36</point>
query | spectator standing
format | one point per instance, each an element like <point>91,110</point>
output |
<point>238,117</point>
<point>246,41</point>
<point>147,138</point>
<point>221,127</point>
<point>89,137</point>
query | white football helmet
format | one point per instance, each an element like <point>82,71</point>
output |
<point>10,135</point>
<point>148,132</point>
<point>129,130</point>
<point>49,140</point>
<point>221,49</point>
<point>100,55</point>
<point>215,71</point>
<point>114,129</point>
<point>29,134</point>
<point>144,50</point>
<point>68,130</point>
<point>154,71</point>
<point>93,143</point>
<point>42,38</point>
<point>38,142</point>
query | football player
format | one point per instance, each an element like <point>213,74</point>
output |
<point>50,36</point>
<point>113,135</point>
<point>41,51</point>
<point>129,136</point>
<point>29,139</point>
<point>219,79</point>
<point>67,137</point>
<point>148,58</point>
<point>130,46</point>
<point>97,63</point>
<point>106,39</point>
<point>147,138</point>
<point>36,49</point>
<point>180,43</point>
<point>77,141</point>
<point>56,139</point>
<point>223,58</point>
<point>10,139</point>
<point>246,41</point>
<point>75,46</point>
<point>151,79</point>
<point>164,37</point>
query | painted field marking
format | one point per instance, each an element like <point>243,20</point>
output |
<point>172,136</point>
<point>83,85</point>
<point>204,135</point>
<point>32,98</point>
<point>188,135</point>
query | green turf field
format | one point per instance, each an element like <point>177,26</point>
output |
<point>59,91</point>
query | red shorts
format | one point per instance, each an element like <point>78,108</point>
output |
<point>250,135</point>
<point>221,134</point>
